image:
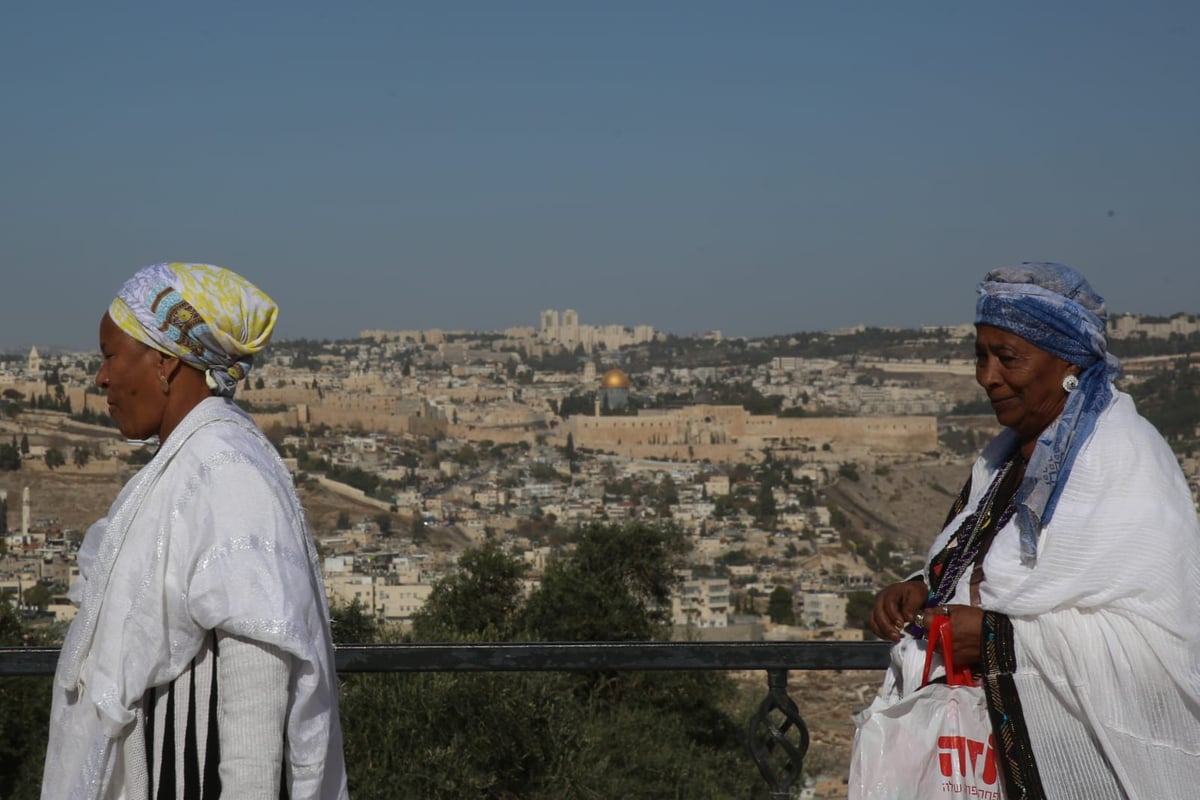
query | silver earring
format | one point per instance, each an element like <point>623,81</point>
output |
<point>1070,384</point>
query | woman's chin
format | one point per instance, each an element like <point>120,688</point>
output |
<point>134,434</point>
<point>1004,416</point>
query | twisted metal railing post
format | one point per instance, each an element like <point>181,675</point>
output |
<point>769,741</point>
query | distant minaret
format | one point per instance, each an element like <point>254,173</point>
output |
<point>25,511</point>
<point>34,365</point>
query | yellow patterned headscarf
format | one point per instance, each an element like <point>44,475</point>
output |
<point>206,316</point>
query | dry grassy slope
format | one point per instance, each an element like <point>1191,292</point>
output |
<point>78,498</point>
<point>906,503</point>
<point>827,702</point>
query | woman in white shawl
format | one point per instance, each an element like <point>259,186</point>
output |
<point>1070,565</point>
<point>200,663</point>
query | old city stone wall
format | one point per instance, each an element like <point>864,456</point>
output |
<point>719,432</point>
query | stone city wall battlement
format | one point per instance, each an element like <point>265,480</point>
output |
<point>695,427</point>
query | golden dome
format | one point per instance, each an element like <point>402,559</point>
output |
<point>615,379</point>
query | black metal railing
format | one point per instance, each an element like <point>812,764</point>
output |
<point>777,738</point>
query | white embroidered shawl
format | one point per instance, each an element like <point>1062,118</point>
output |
<point>208,535</point>
<point>1106,622</point>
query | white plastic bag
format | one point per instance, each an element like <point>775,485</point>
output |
<point>934,743</point>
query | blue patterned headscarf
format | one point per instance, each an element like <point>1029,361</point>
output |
<point>1053,308</point>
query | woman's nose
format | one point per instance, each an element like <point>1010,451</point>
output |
<point>985,372</point>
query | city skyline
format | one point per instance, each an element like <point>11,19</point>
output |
<point>688,166</point>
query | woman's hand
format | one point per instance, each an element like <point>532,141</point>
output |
<point>895,607</point>
<point>966,630</point>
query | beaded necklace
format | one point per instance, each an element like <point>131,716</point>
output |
<point>976,530</point>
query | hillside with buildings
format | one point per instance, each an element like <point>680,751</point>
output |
<point>813,467</point>
<point>820,463</point>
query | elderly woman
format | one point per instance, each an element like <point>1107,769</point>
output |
<point>1070,564</point>
<point>200,663</point>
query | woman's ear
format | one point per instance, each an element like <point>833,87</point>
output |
<point>169,366</point>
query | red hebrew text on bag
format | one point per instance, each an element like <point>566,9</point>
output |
<point>958,757</point>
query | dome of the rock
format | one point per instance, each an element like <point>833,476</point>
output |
<point>614,379</point>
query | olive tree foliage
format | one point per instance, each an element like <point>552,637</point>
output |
<point>480,599</point>
<point>616,585</point>
<point>779,606</point>
<point>549,735</point>
<point>352,624</point>
<point>54,458</point>
<point>37,596</point>
<point>25,710</point>
<point>10,457</point>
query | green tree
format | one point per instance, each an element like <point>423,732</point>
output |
<point>352,624</point>
<point>550,735</point>
<point>858,609</point>
<point>140,456</point>
<point>779,606</point>
<point>24,444</point>
<point>343,521</point>
<point>615,586</point>
<point>27,700</point>
<point>419,735</point>
<point>734,558</point>
<point>838,519</point>
<point>480,599</point>
<point>1169,399</point>
<point>849,471</point>
<point>540,471</point>
<point>467,456</point>
<point>416,526</point>
<point>577,405</point>
<point>54,458</point>
<point>10,458</point>
<point>81,456</point>
<point>665,496</point>
<point>764,506</point>
<point>368,482</point>
<point>37,596</point>
<point>384,521</point>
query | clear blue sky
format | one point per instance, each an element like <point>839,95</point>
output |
<point>752,167</point>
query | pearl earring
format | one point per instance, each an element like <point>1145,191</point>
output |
<point>1070,384</point>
